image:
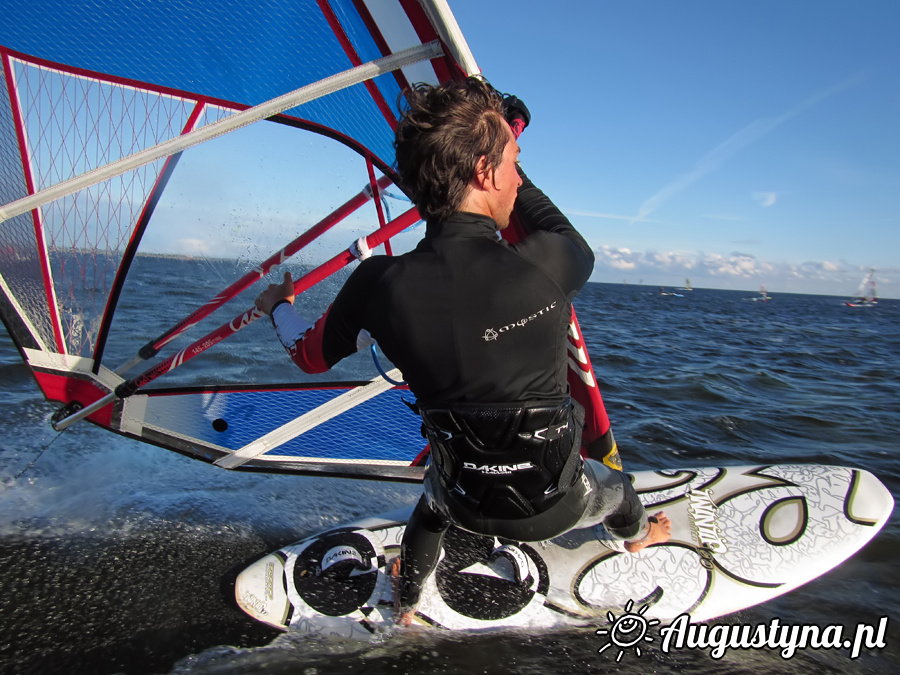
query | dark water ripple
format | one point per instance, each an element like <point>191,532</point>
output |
<point>116,556</point>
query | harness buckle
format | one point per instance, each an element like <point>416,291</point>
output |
<point>555,432</point>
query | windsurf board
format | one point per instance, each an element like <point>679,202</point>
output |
<point>741,535</point>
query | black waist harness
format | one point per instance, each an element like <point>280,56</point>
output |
<point>505,461</point>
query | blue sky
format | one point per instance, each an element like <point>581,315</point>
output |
<point>736,143</point>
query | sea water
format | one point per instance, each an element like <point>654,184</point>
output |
<point>116,556</point>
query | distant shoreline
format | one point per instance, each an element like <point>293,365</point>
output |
<point>772,294</point>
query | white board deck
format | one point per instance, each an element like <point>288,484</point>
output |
<point>740,536</point>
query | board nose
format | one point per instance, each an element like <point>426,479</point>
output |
<point>869,501</point>
<point>260,591</point>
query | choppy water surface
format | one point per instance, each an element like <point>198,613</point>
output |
<point>116,556</point>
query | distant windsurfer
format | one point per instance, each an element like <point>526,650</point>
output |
<point>479,330</point>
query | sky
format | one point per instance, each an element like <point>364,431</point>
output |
<point>735,144</point>
<point>738,144</point>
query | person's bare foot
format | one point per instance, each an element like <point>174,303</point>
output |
<point>660,531</point>
<point>403,617</point>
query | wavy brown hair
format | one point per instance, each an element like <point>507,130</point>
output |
<point>443,133</point>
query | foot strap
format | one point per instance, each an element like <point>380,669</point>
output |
<point>344,559</point>
<point>518,561</point>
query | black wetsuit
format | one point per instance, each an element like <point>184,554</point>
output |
<point>465,316</point>
<point>469,319</point>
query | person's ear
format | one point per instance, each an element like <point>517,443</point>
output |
<point>483,176</point>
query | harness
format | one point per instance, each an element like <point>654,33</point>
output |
<point>505,461</point>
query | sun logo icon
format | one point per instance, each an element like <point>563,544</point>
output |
<point>628,631</point>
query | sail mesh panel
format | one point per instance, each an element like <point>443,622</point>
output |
<point>73,124</point>
<point>60,262</point>
<point>20,263</point>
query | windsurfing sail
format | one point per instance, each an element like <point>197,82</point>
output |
<point>867,293</point>
<point>114,118</point>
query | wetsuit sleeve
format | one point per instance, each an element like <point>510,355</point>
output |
<point>336,334</point>
<point>302,341</point>
<point>566,256</point>
<point>346,316</point>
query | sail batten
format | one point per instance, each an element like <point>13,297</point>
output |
<point>359,74</point>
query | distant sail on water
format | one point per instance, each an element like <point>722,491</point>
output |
<point>867,293</point>
<point>94,136</point>
<point>762,297</point>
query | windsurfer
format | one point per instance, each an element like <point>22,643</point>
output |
<point>479,330</point>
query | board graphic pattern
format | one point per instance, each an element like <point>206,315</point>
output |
<point>740,536</point>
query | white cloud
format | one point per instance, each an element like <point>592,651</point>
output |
<point>619,259</point>
<point>736,270</point>
<point>672,260</point>
<point>192,246</point>
<point>765,199</point>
